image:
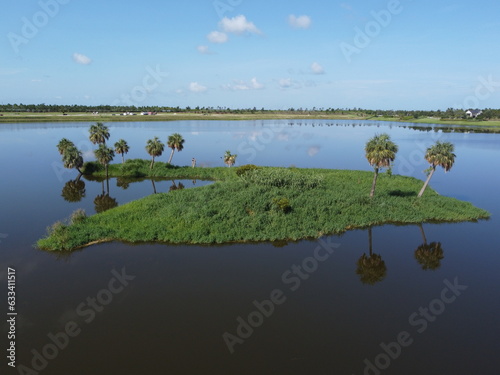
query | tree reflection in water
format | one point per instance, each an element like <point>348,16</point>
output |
<point>73,190</point>
<point>429,255</point>
<point>371,268</point>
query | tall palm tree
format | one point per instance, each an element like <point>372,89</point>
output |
<point>104,155</point>
<point>63,145</point>
<point>99,133</point>
<point>439,154</point>
<point>121,147</point>
<point>72,158</point>
<point>229,159</point>
<point>371,269</point>
<point>155,148</point>
<point>175,142</point>
<point>380,152</point>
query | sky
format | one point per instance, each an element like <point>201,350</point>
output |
<point>379,54</point>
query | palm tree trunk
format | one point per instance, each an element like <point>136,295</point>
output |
<point>123,158</point>
<point>107,175</point>
<point>107,185</point>
<point>372,192</point>
<point>154,186</point>
<point>152,163</point>
<point>171,156</point>
<point>427,182</point>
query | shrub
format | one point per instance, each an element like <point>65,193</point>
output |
<point>91,167</point>
<point>78,216</point>
<point>282,204</point>
<point>244,169</point>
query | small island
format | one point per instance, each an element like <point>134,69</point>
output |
<point>250,203</point>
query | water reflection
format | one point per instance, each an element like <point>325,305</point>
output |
<point>371,268</point>
<point>123,183</point>
<point>73,190</point>
<point>104,202</point>
<point>429,256</point>
<point>178,186</point>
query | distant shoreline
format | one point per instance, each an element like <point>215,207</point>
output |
<point>463,125</point>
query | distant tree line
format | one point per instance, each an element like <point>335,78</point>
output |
<point>449,114</point>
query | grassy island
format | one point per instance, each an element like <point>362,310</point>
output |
<point>255,204</point>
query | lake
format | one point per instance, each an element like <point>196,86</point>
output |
<point>268,308</point>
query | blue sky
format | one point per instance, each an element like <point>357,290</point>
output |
<point>245,53</point>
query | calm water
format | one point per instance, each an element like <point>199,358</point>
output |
<point>177,305</point>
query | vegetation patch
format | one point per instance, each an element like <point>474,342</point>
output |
<point>262,204</point>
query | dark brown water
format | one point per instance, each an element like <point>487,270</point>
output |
<point>255,308</point>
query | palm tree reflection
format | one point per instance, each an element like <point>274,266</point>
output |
<point>104,202</point>
<point>73,190</point>
<point>429,255</point>
<point>175,186</point>
<point>371,268</point>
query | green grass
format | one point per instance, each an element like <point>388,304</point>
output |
<point>266,204</point>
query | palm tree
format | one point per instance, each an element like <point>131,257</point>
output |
<point>104,155</point>
<point>155,148</point>
<point>99,133</point>
<point>380,152</point>
<point>439,154</point>
<point>229,159</point>
<point>175,142</point>
<point>121,147</point>
<point>72,158</point>
<point>63,145</point>
<point>371,269</point>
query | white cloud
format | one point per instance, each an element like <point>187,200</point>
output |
<point>238,25</point>
<point>285,83</point>
<point>204,50</point>
<point>256,84</point>
<point>81,59</point>
<point>239,85</point>
<point>317,68</point>
<point>301,22</point>
<point>217,37</point>
<point>196,87</point>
